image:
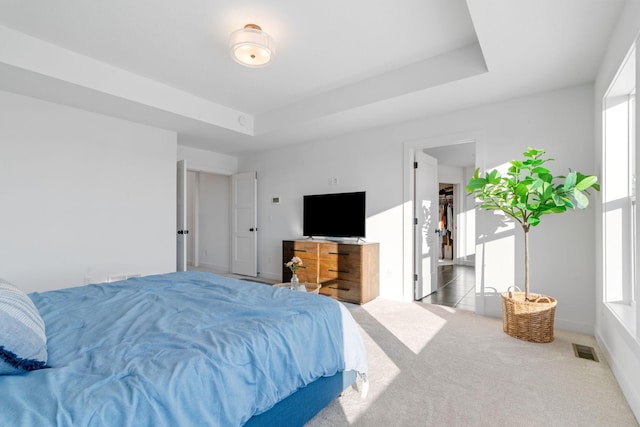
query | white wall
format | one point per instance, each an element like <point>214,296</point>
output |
<point>622,349</point>
<point>301,169</point>
<point>469,218</point>
<point>449,174</point>
<point>84,196</point>
<point>373,160</point>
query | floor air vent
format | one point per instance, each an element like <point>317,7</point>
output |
<point>585,352</point>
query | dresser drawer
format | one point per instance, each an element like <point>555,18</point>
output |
<point>308,253</point>
<point>303,250</point>
<point>342,290</point>
<point>334,250</point>
<point>343,269</point>
<point>340,262</point>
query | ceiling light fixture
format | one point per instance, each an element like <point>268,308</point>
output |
<point>252,47</point>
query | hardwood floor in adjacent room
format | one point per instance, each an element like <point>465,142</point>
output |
<point>456,287</point>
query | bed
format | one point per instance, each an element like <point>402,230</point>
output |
<point>183,349</point>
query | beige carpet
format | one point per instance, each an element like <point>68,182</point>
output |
<point>436,366</point>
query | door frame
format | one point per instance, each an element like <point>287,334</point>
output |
<point>409,148</point>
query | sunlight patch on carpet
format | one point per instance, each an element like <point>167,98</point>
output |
<point>414,319</point>
<point>385,374</point>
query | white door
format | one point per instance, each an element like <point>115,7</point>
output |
<point>181,216</point>
<point>244,242</point>
<point>426,211</point>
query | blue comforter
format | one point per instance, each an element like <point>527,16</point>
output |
<point>181,349</point>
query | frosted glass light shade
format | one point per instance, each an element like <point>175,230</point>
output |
<point>252,47</point>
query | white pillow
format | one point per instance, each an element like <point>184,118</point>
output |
<point>23,343</point>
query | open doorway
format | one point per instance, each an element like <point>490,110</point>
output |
<point>456,228</point>
<point>446,224</point>
<point>208,220</point>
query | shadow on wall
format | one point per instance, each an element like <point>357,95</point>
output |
<point>494,278</point>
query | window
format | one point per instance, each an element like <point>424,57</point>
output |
<point>619,194</point>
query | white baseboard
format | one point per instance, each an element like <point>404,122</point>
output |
<point>271,276</point>
<point>570,325</point>
<point>224,269</point>
<point>214,267</point>
<point>630,390</point>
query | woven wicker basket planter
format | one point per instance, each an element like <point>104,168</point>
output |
<point>528,320</point>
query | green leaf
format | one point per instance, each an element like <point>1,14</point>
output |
<point>570,182</point>
<point>554,210</point>
<point>489,206</point>
<point>476,184</point>
<point>569,203</point>
<point>540,170</point>
<point>538,183</point>
<point>494,177</point>
<point>581,199</point>
<point>557,200</point>
<point>586,182</point>
<point>533,153</point>
<point>521,189</point>
<point>533,221</point>
<point>546,177</point>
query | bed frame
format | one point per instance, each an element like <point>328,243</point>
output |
<point>305,403</point>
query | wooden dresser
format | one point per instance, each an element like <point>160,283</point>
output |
<point>347,271</point>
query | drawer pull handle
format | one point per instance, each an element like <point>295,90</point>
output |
<point>339,271</point>
<point>339,253</point>
<point>299,250</point>
<point>340,288</point>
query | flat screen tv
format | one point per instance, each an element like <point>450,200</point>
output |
<point>334,215</point>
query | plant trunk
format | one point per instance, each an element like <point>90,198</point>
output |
<point>525,228</point>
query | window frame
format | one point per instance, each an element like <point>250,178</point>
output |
<point>619,205</point>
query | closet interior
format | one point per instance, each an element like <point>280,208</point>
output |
<point>446,222</point>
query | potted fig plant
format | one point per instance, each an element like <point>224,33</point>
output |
<point>525,193</point>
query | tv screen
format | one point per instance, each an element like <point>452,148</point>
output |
<point>334,215</point>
